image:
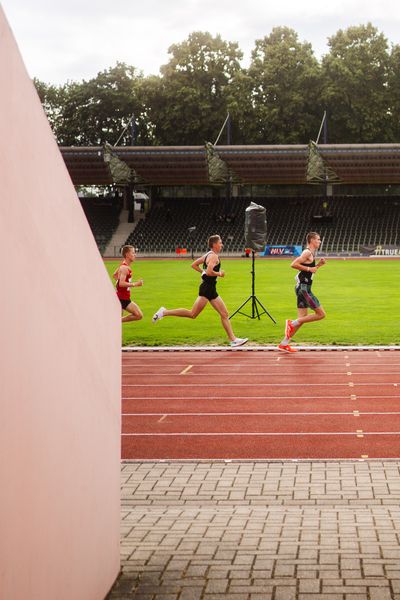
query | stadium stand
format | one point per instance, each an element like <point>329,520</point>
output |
<point>103,218</point>
<point>345,224</point>
<point>166,226</point>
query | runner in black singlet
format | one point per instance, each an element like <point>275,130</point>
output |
<point>207,292</point>
<point>305,297</point>
<point>307,267</point>
<point>208,286</point>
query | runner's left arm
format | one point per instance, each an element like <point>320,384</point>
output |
<point>196,264</point>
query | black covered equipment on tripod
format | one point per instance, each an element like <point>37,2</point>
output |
<point>255,227</point>
<point>255,232</point>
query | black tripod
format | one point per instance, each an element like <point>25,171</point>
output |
<point>253,299</point>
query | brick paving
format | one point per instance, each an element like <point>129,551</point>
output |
<point>254,530</point>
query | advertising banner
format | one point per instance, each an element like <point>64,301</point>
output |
<point>282,251</point>
<point>380,250</point>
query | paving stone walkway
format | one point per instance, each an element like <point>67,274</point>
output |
<point>260,531</point>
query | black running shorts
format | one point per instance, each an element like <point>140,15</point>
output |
<point>208,290</point>
<point>305,297</point>
<point>124,303</point>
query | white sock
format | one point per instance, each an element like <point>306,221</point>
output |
<point>284,342</point>
<point>295,323</point>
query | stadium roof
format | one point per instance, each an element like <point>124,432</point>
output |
<point>193,165</point>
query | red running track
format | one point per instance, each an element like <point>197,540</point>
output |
<point>260,405</point>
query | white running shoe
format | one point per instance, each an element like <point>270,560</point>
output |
<point>238,342</point>
<point>159,314</point>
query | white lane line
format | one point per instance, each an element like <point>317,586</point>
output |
<point>257,373</point>
<point>245,373</point>
<point>259,434</point>
<point>323,349</point>
<point>378,384</point>
<point>251,414</point>
<point>302,398</point>
<point>298,384</point>
<point>374,364</point>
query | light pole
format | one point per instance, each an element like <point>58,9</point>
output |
<point>191,231</point>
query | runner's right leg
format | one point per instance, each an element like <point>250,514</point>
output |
<point>194,312</point>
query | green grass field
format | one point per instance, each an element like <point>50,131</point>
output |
<point>361,299</point>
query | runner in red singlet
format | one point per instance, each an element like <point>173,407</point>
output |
<point>123,277</point>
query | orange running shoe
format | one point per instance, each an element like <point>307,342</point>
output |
<point>286,348</point>
<point>289,329</point>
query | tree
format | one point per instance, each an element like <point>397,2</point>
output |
<point>241,108</point>
<point>96,111</point>
<point>282,86</point>
<point>53,99</point>
<point>355,76</point>
<point>187,104</point>
<point>394,94</point>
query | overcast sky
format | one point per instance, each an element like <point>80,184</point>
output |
<point>64,40</point>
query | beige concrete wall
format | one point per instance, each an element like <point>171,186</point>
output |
<point>59,367</point>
